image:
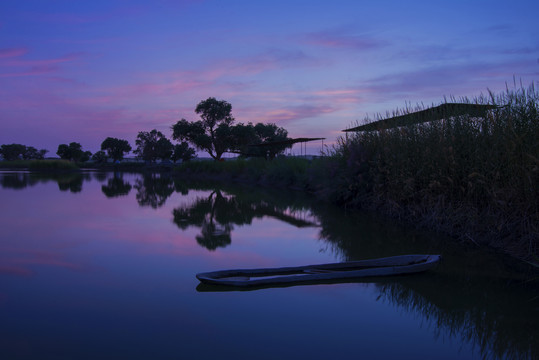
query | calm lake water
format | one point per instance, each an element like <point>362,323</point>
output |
<point>102,266</point>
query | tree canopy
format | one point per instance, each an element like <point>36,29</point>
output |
<point>17,151</point>
<point>99,156</point>
<point>245,137</point>
<point>115,148</point>
<point>73,152</point>
<point>183,152</point>
<point>212,132</point>
<point>216,134</point>
<point>153,145</point>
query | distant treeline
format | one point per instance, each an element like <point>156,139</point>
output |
<point>215,132</point>
<point>12,152</point>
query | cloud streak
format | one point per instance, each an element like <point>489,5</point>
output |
<point>12,65</point>
<point>12,52</point>
<point>339,39</point>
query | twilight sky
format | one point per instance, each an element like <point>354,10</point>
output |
<point>85,70</point>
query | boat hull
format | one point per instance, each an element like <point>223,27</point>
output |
<point>395,265</point>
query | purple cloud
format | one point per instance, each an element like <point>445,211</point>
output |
<point>12,59</point>
<point>68,18</point>
<point>433,83</point>
<point>522,51</point>
<point>269,60</point>
<point>342,39</point>
<point>287,114</point>
<point>12,52</point>
<point>43,62</point>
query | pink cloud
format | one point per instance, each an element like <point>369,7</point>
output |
<point>287,114</point>
<point>341,96</point>
<point>31,67</point>
<point>20,261</point>
<point>12,52</point>
<point>35,70</point>
<point>15,270</point>
<point>43,62</point>
<point>269,60</point>
<point>171,87</point>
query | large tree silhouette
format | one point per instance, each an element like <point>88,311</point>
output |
<point>212,132</point>
<point>115,148</point>
<point>153,145</point>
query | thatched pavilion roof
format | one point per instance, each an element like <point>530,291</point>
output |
<point>443,111</point>
<point>287,142</point>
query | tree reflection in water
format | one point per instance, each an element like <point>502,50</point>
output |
<point>217,214</point>
<point>66,181</point>
<point>72,184</point>
<point>154,189</point>
<point>101,176</point>
<point>15,181</point>
<point>116,186</point>
<point>215,217</point>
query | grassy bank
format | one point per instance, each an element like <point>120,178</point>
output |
<point>474,178</point>
<point>66,165</point>
<point>39,165</point>
<point>282,172</point>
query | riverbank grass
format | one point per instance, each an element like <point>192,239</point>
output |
<point>40,165</point>
<point>473,177</point>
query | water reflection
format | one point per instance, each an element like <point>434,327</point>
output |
<point>72,183</point>
<point>116,186</point>
<point>102,176</point>
<point>16,181</point>
<point>208,215</point>
<point>66,181</point>
<point>153,189</point>
<point>499,319</point>
<point>473,296</point>
<point>217,214</point>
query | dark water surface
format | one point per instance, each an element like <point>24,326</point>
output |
<point>102,266</point>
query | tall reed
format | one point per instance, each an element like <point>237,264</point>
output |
<point>471,176</point>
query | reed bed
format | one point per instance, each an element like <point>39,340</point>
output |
<point>52,165</point>
<point>280,172</point>
<point>473,177</point>
<point>15,164</point>
<point>40,165</point>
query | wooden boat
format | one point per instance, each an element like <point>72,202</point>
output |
<point>395,265</point>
